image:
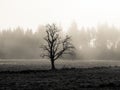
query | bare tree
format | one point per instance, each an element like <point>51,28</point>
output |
<point>55,46</point>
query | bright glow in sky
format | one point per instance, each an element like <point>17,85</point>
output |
<point>31,13</point>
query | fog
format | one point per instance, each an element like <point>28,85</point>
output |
<point>101,43</point>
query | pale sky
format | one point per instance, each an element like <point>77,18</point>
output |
<point>32,13</point>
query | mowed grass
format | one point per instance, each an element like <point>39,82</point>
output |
<point>97,78</point>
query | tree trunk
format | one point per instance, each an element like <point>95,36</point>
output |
<point>52,65</point>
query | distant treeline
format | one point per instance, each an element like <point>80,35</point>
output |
<point>102,42</point>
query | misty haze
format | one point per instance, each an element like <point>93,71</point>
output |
<point>59,45</point>
<point>99,44</point>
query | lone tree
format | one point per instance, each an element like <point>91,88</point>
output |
<point>55,46</point>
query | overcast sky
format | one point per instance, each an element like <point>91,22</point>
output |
<point>31,13</point>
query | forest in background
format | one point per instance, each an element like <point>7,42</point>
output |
<point>102,42</point>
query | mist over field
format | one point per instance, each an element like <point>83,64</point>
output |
<point>59,44</point>
<point>44,64</point>
<point>101,43</point>
<point>92,39</point>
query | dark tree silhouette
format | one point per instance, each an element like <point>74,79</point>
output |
<point>55,46</point>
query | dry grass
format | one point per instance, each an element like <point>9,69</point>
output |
<point>104,78</point>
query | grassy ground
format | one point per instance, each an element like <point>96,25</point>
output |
<point>102,78</point>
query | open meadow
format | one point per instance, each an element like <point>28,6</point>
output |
<point>104,78</point>
<point>44,64</point>
<point>21,75</point>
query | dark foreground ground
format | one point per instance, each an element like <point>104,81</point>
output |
<point>100,78</point>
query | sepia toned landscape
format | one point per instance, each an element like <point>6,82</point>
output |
<point>59,45</point>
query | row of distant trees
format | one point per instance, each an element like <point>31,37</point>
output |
<point>102,42</point>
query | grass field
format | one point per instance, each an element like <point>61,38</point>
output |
<point>97,78</point>
<point>44,64</point>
